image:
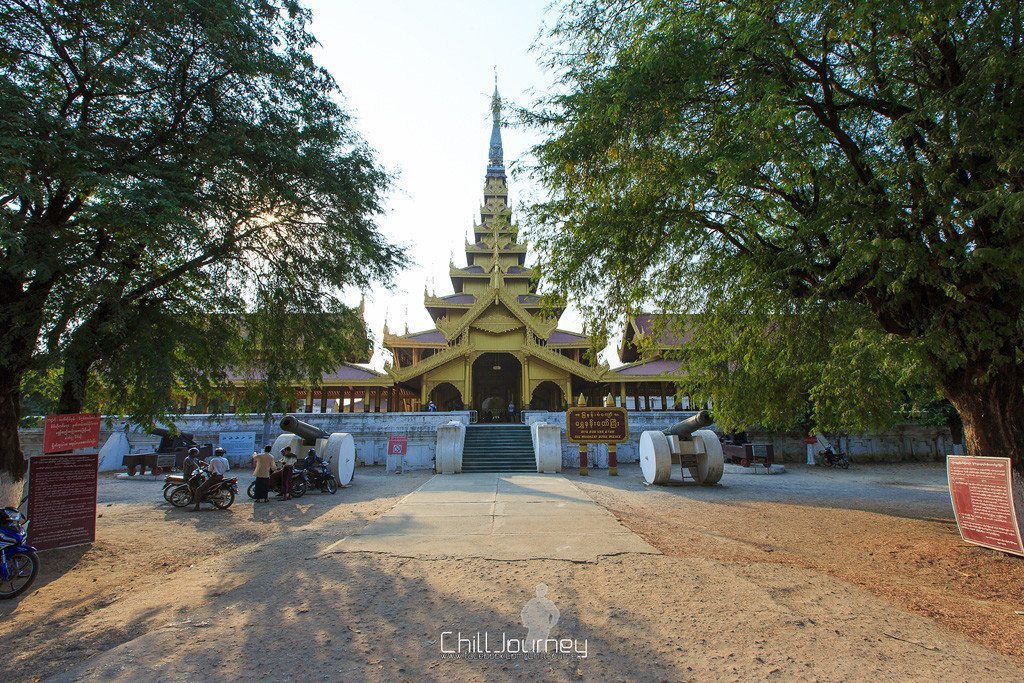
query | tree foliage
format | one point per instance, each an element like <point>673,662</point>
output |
<point>786,168</point>
<point>165,168</point>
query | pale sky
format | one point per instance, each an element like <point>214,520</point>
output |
<point>418,76</point>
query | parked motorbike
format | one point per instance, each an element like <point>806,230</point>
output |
<point>832,458</point>
<point>222,496</point>
<point>19,562</point>
<point>320,477</point>
<point>298,484</point>
<point>173,481</point>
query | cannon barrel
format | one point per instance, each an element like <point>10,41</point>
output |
<point>166,434</point>
<point>686,428</point>
<point>308,432</point>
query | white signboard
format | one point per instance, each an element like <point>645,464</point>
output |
<point>238,446</point>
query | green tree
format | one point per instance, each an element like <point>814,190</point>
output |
<point>164,165</point>
<point>797,160</point>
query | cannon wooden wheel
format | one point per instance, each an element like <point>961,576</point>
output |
<point>711,465</point>
<point>655,457</point>
<point>341,451</point>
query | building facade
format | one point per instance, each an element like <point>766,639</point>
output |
<point>495,340</point>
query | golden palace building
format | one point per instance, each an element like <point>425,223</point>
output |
<point>495,341</point>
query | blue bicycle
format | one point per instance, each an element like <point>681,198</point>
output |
<point>19,562</point>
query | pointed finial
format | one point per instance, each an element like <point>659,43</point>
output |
<point>496,154</point>
<point>581,401</point>
<point>362,304</point>
<point>386,330</point>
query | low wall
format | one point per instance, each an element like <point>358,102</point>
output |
<point>902,443</point>
<point>906,442</point>
<point>369,430</point>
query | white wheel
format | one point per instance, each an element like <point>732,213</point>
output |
<point>711,465</point>
<point>341,452</point>
<point>655,457</point>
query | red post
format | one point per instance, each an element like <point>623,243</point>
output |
<point>583,460</point>
<point>613,461</point>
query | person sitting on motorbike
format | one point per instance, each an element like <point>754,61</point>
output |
<point>191,462</point>
<point>312,460</point>
<point>218,467</point>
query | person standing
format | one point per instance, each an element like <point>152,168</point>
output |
<point>288,460</point>
<point>263,463</point>
<point>218,466</point>
<point>511,411</point>
<point>431,407</point>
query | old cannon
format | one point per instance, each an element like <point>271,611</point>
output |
<point>170,453</point>
<point>338,449</point>
<point>687,444</point>
<point>169,442</point>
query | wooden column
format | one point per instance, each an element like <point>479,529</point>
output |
<point>664,401</point>
<point>622,394</point>
<point>351,399</point>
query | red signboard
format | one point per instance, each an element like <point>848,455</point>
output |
<point>68,432</point>
<point>596,425</point>
<point>981,490</point>
<point>398,445</point>
<point>62,500</point>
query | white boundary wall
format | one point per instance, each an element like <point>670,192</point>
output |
<point>907,442</point>
<point>369,430</point>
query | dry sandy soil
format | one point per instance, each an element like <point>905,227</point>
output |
<point>811,575</point>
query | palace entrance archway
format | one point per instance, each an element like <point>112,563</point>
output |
<point>497,379</point>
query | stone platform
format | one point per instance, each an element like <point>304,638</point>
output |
<point>497,517</point>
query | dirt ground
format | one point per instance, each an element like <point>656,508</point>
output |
<point>810,575</point>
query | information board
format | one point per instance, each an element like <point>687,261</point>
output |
<point>981,490</point>
<point>71,431</point>
<point>238,446</point>
<point>62,500</point>
<point>596,425</point>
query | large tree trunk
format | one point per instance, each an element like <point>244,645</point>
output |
<point>990,401</point>
<point>21,316</point>
<point>12,460</point>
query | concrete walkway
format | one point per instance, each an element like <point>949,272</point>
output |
<point>497,517</point>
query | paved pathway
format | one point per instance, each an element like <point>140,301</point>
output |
<point>498,517</point>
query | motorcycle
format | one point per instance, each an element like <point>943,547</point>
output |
<point>298,484</point>
<point>173,481</point>
<point>19,562</point>
<point>320,477</point>
<point>831,458</point>
<point>221,497</point>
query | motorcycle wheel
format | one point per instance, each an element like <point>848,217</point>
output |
<point>167,493</point>
<point>298,488</point>
<point>22,567</point>
<point>181,496</point>
<point>330,486</point>
<point>251,491</point>
<point>225,497</point>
